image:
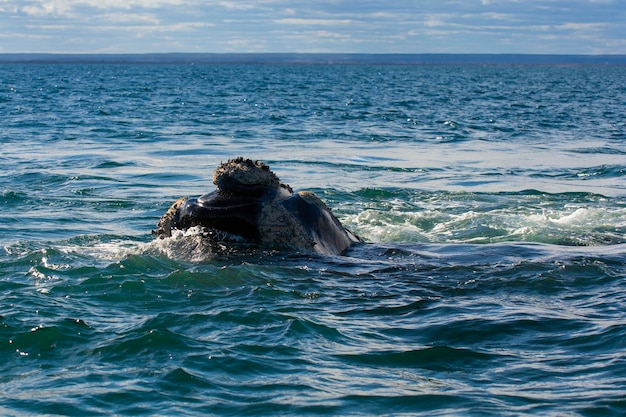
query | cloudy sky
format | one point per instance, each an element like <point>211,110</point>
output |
<point>382,26</point>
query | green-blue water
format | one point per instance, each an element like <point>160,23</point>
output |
<point>493,199</point>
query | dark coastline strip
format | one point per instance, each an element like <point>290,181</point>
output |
<point>314,58</point>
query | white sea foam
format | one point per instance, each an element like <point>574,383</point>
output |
<point>567,225</point>
<point>101,248</point>
<point>192,244</point>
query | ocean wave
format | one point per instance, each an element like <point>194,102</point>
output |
<point>564,219</point>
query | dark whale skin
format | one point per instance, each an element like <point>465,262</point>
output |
<point>252,204</point>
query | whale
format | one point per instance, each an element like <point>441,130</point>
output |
<point>250,205</point>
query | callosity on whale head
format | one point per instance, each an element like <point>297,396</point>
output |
<point>251,204</point>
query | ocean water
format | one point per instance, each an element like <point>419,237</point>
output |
<point>492,198</point>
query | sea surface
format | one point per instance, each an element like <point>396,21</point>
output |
<point>492,199</point>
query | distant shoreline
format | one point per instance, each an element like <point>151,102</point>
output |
<point>314,58</point>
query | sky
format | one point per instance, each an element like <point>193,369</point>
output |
<point>328,26</point>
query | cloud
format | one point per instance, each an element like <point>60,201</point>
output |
<point>233,5</point>
<point>125,18</point>
<point>312,22</point>
<point>47,8</point>
<point>582,26</point>
<point>516,26</point>
<point>144,30</point>
<point>66,7</point>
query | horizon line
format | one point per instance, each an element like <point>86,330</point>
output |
<point>311,57</point>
